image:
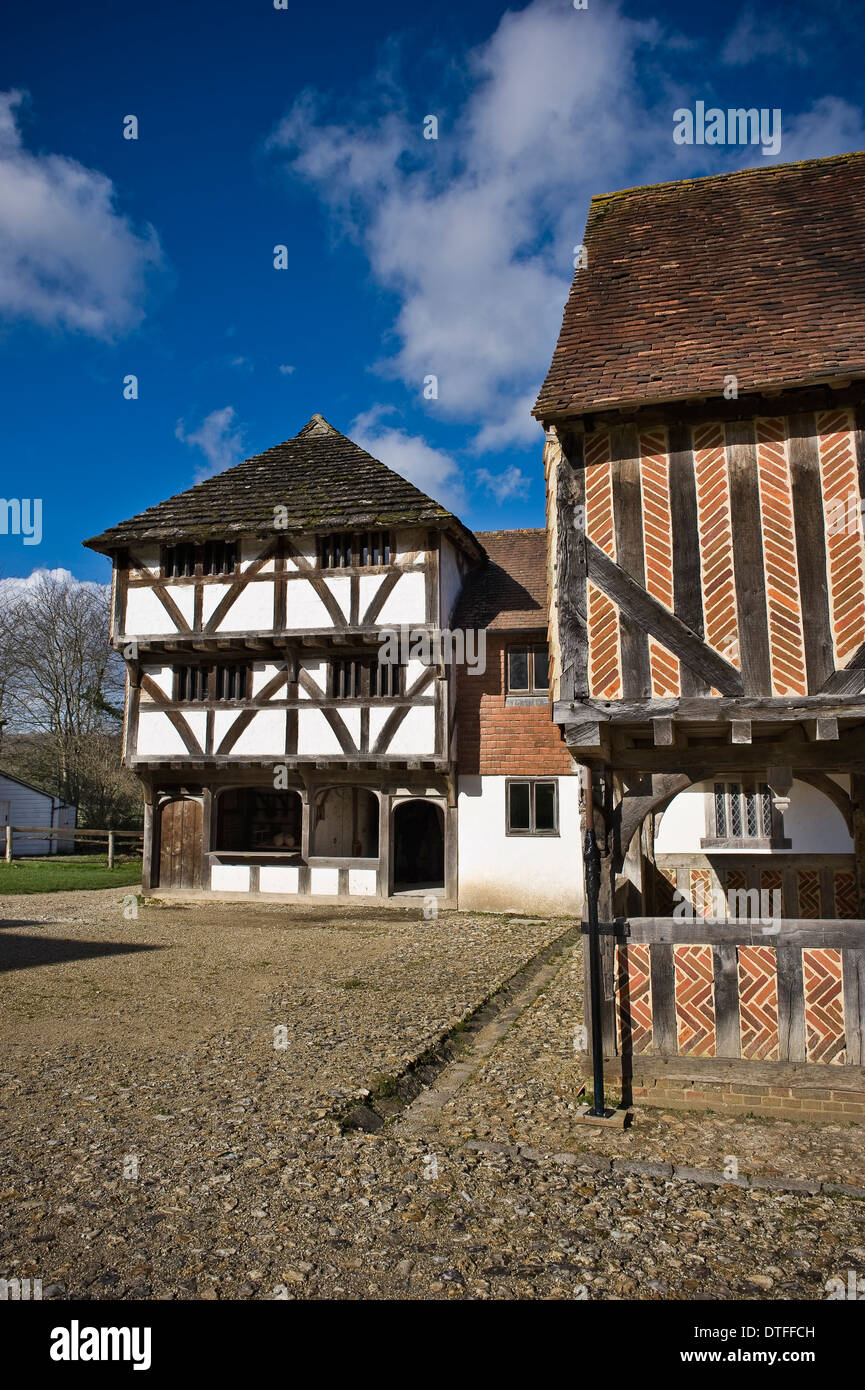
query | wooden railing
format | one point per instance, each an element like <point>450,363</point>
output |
<point>69,833</point>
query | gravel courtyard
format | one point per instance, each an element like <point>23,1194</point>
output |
<point>172,1086</point>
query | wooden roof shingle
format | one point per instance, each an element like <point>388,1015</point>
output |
<point>322,479</point>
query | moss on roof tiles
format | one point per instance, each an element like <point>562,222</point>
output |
<point>320,477</point>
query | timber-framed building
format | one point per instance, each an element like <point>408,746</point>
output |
<point>300,718</point>
<point>705,462</point>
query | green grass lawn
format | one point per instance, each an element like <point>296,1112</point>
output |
<point>63,872</point>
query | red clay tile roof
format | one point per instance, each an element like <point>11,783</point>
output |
<point>757,273</point>
<point>509,591</point>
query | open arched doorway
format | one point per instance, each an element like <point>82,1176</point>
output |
<point>418,847</point>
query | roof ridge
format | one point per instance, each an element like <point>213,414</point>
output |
<point>752,171</point>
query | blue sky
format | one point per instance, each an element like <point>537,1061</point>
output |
<point>406,257</point>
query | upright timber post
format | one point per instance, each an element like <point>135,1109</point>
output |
<point>592,863</point>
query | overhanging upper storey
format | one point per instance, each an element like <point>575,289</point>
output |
<point>705,464</point>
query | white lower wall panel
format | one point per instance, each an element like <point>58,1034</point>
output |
<point>324,881</point>
<point>362,882</point>
<point>279,878</point>
<point>229,878</point>
<point>532,874</point>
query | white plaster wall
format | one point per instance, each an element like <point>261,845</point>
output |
<point>813,824</point>
<point>279,878</point>
<point>314,734</point>
<point>263,673</point>
<point>304,608</point>
<point>264,737</point>
<point>368,587</point>
<point>163,676</point>
<point>340,587</point>
<point>147,557</point>
<point>350,716</point>
<point>145,614</point>
<point>413,672</point>
<point>229,878</point>
<point>450,579</point>
<point>249,553</point>
<point>306,549</point>
<point>684,822</point>
<point>252,610</point>
<point>222,722</point>
<point>184,597</point>
<point>410,542</point>
<point>362,882</point>
<point>415,736</point>
<point>197,721</point>
<point>406,602</point>
<point>527,873</point>
<point>325,881</point>
<point>157,736</point>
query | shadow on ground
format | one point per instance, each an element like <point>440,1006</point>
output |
<point>20,952</point>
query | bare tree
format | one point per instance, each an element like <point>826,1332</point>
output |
<point>10,605</point>
<point>66,691</point>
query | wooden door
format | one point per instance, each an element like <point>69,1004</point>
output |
<point>180,844</point>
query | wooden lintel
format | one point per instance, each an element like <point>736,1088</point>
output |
<point>662,730</point>
<point>712,709</point>
<point>590,734</point>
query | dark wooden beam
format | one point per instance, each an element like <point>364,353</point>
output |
<point>634,601</point>
<point>748,567</point>
<point>808,517</point>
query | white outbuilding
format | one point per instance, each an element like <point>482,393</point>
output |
<point>26,805</point>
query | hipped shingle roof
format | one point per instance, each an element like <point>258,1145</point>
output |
<point>322,479</point>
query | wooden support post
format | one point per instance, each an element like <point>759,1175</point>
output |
<point>857,796</point>
<point>9,844</point>
<point>111,849</point>
<point>147,842</point>
<point>663,731</point>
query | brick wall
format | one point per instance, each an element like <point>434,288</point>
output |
<point>497,740</point>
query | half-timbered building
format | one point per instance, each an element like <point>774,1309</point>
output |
<point>705,462</point>
<point>277,753</point>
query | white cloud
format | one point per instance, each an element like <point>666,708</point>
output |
<point>756,37</point>
<point>68,258</point>
<point>830,126</point>
<point>474,232</point>
<point>24,587</point>
<point>511,482</point>
<point>432,470</point>
<point>218,438</point>
<point>285,369</point>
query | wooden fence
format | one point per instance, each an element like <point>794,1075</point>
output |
<point>68,833</point>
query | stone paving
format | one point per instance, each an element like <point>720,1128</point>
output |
<point>171,1086</point>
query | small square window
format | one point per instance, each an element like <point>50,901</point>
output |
<point>528,670</point>
<point>532,806</point>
